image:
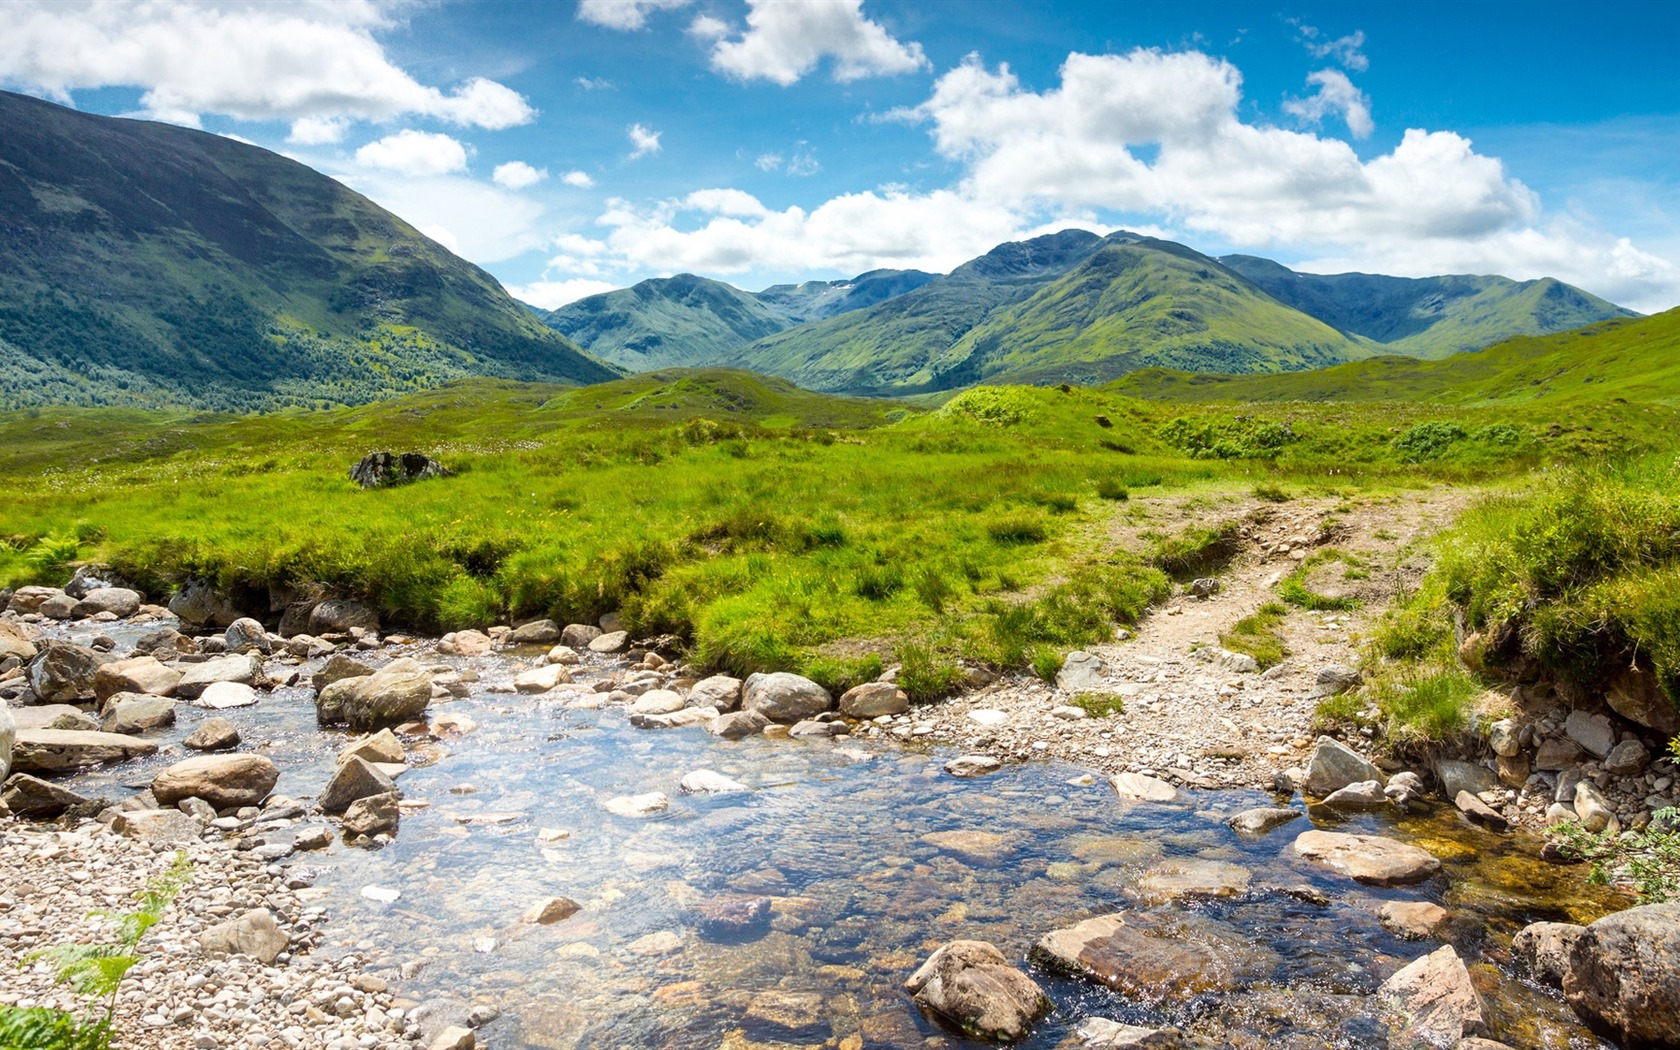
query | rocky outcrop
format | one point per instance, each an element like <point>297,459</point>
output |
<point>1623,977</point>
<point>785,698</point>
<point>224,781</point>
<point>972,985</point>
<point>1433,1003</point>
<point>386,469</point>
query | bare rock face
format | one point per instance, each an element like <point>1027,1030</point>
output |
<point>385,469</point>
<point>1638,697</point>
<point>1623,977</point>
<point>223,781</point>
<point>972,985</point>
<point>1433,1002</point>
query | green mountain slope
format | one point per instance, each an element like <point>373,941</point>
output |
<point>1429,317</point>
<point>666,322</point>
<point>1636,360</point>
<point>147,264</point>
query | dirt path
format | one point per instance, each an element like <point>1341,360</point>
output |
<point>1187,717</point>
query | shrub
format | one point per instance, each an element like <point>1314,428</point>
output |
<point>877,583</point>
<point>991,406</point>
<point>1429,706</point>
<point>1647,859</point>
<point>1426,441</point>
<point>1239,437</point>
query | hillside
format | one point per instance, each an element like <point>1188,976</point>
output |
<point>1634,360</point>
<point>1429,317</point>
<point>152,265</point>
<point>1069,307</point>
<point>816,300</point>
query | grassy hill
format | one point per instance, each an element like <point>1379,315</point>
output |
<point>1634,360</point>
<point>1429,317</point>
<point>147,264</point>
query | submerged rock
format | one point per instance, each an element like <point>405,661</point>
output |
<point>1263,819</point>
<point>972,985</point>
<point>1156,957</point>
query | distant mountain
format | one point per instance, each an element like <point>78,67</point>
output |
<point>1068,307</point>
<point>1429,317</point>
<point>148,264</point>
<point>687,320</point>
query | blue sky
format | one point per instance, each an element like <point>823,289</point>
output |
<point>572,147</point>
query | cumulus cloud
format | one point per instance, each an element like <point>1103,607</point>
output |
<point>318,131</point>
<point>517,175</point>
<point>784,41</point>
<point>1336,94</point>
<point>291,62</point>
<point>475,219</point>
<point>578,179</point>
<point>1345,50</point>
<point>415,153</point>
<point>642,141</point>
<point>623,14</point>
<point>551,295</point>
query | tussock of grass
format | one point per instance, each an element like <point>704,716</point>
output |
<point>1199,550</point>
<point>1258,634</point>
<point>1294,590</point>
<point>1428,706</point>
<point>1100,705</point>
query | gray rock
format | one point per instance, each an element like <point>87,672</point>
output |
<point>372,815</point>
<point>167,828</point>
<point>688,716</point>
<point>1334,766</point>
<point>198,604</point>
<point>241,669</point>
<point>708,782</point>
<point>64,673</point>
<point>387,469</point>
<point>658,702</point>
<point>246,632</point>
<point>1336,679</point>
<point>1156,957</point>
<point>1479,812</point>
<point>539,680</point>
<point>137,674</point>
<point>785,698</point>
<point>874,699</point>
<point>1593,810</point>
<point>1081,672</point>
<point>28,796</point>
<point>64,750</point>
<point>8,739</point>
<point>355,779</point>
<point>1623,976</point>
<point>59,607</point>
<point>813,728</point>
<point>1370,859</point>
<point>396,693</point>
<point>736,725</point>
<point>224,781</point>
<point>1203,587</point>
<point>610,642</point>
<point>1227,660</point>
<point>719,691</point>
<point>972,765</point>
<point>1364,796</point>
<point>1544,948</point>
<point>537,632</point>
<point>1593,733</point>
<point>972,985</point>
<point>1505,737</point>
<point>1263,819</point>
<point>1556,754</point>
<point>338,616</point>
<point>132,713</point>
<point>337,668</point>
<point>1627,758</point>
<point>1433,1002</point>
<point>1638,696</point>
<point>1136,787</point>
<point>1405,789</point>
<point>1456,776</point>
<point>255,934</point>
<point>213,734</point>
<point>118,601</point>
<point>579,635</point>
<point>30,599</point>
<point>382,746</point>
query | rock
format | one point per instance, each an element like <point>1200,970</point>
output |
<point>397,693</point>
<point>1594,812</point>
<point>1186,878</point>
<point>1136,787</point>
<point>75,719</point>
<point>785,698</point>
<point>213,734</point>
<point>1260,820</point>
<point>337,616</point>
<point>611,642</point>
<point>972,985</point>
<point>1081,672</point>
<point>1544,948</point>
<point>63,750</point>
<point>734,917</point>
<point>132,713</point>
<point>1334,766</point>
<point>1203,587</point>
<point>719,691</point>
<point>1433,1001</point>
<point>30,599</point>
<point>737,724</point>
<point>1227,660</point>
<point>59,607</point>
<point>64,673</point>
<point>1479,812</point>
<point>247,633</point>
<point>167,828</point>
<point>1156,957</point>
<point>688,716</point>
<point>550,910</point>
<point>1414,920</point>
<point>1593,733</point>
<point>337,668</point>
<point>1405,788</point>
<point>139,674</point>
<point>240,668</point>
<point>386,469</point>
<point>254,933</point>
<point>1069,713</point>
<point>8,740</point>
<point>537,632</point>
<point>983,849</point>
<point>224,696</point>
<point>563,654</point>
<point>579,635</point>
<point>1335,679</point>
<point>643,805</point>
<point>198,604</point>
<point>1370,859</point>
<point>28,796</point>
<point>1505,738</point>
<point>1623,976</point>
<point>382,746</point>
<point>1627,758</point>
<point>874,699</point>
<point>1639,697</point>
<point>454,1038</point>
<point>1557,754</point>
<point>972,765</point>
<point>17,642</point>
<point>465,643</point>
<point>658,702</point>
<point>1364,796</point>
<point>224,781</point>
<point>354,779</point>
<point>1100,1033</point>
<point>1513,771</point>
<point>1456,776</point>
<point>118,601</point>
<point>707,782</point>
<point>790,1011</point>
<point>540,680</point>
<point>372,815</point>
<point>817,727</point>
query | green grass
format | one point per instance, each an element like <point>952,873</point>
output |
<point>1294,589</point>
<point>1426,706</point>
<point>1199,549</point>
<point>1258,634</point>
<point>1100,705</point>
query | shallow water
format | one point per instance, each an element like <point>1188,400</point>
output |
<point>835,834</point>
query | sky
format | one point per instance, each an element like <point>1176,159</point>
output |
<point>578,146</point>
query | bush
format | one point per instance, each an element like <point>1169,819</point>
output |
<point>1240,437</point>
<point>1426,441</point>
<point>1648,860</point>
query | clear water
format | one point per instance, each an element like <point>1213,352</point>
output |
<point>835,834</point>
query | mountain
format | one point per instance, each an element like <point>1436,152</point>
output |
<point>1067,307</point>
<point>688,320</point>
<point>1429,317</point>
<point>152,265</point>
<point>1636,360</point>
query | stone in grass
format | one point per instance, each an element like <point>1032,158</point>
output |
<point>972,985</point>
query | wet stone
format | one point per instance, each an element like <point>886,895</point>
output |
<point>1367,858</point>
<point>1156,957</point>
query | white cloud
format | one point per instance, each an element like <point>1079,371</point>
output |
<point>1336,94</point>
<point>623,14</point>
<point>517,175</point>
<point>551,295</point>
<point>244,60</point>
<point>593,83</point>
<point>318,131</point>
<point>783,41</point>
<point>481,222</point>
<point>804,161</point>
<point>643,140</point>
<point>768,161</point>
<point>415,153</point>
<point>1343,49</point>
<point>444,236</point>
<point>578,179</point>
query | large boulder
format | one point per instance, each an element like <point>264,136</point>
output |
<point>385,469</point>
<point>784,697</point>
<point>1432,1002</point>
<point>1156,957</point>
<point>255,934</point>
<point>579,635</point>
<point>63,673</point>
<point>1370,859</point>
<point>396,693</point>
<point>18,641</point>
<point>28,796</point>
<point>197,604</point>
<point>137,674</point>
<point>354,780</point>
<point>246,633</point>
<point>224,781</point>
<point>132,713</point>
<point>537,632</point>
<point>340,616</point>
<point>972,985</point>
<point>240,668</point>
<point>1638,696</point>
<point>337,668</point>
<point>874,699</point>
<point>30,599</point>
<point>118,601</point>
<point>1334,766</point>
<point>64,750</point>
<point>1623,977</point>
<point>1544,948</point>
